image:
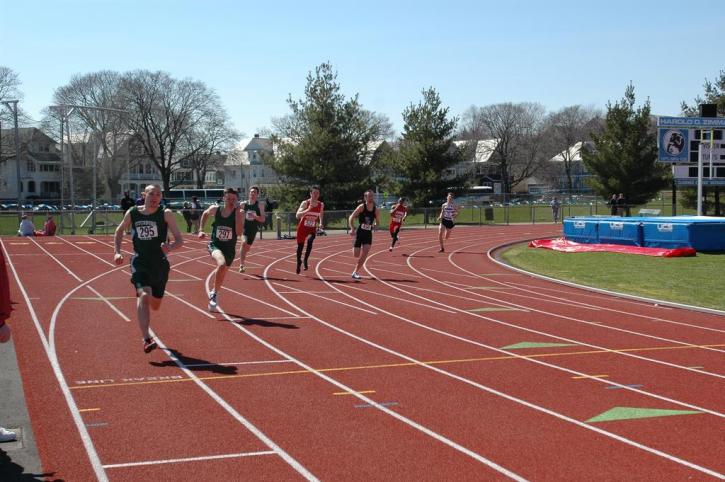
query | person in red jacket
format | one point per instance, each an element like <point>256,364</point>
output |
<point>398,213</point>
<point>48,228</point>
<point>310,215</point>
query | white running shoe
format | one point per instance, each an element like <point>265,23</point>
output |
<point>355,275</point>
<point>7,436</point>
<point>212,301</point>
<point>242,269</point>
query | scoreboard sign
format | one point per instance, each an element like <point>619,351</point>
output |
<point>673,144</point>
<point>679,139</point>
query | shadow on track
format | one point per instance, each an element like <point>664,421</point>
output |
<point>263,278</point>
<point>10,471</point>
<point>195,364</point>
<point>244,321</point>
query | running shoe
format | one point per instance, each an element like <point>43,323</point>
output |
<point>212,301</point>
<point>390,249</point>
<point>7,436</point>
<point>355,275</point>
<point>305,265</point>
<point>242,269</point>
<point>440,250</point>
<point>149,344</point>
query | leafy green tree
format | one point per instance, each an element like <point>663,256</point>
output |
<point>624,156</point>
<point>426,150</point>
<point>714,94</point>
<point>326,140</point>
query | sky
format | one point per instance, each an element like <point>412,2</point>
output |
<point>256,55</point>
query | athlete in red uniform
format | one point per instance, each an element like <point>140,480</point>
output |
<point>310,215</point>
<point>398,213</point>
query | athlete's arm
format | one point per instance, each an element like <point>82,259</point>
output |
<point>211,211</point>
<point>354,214</point>
<point>392,209</point>
<point>239,220</point>
<point>440,216</point>
<point>377,217</point>
<point>262,217</point>
<point>304,207</point>
<point>170,219</point>
<point>322,211</point>
<point>118,236</point>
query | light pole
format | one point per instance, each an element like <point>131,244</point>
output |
<point>12,105</point>
<point>65,111</point>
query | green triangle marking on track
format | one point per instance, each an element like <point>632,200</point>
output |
<point>531,344</point>
<point>630,413</point>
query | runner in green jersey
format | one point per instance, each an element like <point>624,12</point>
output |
<point>253,216</point>
<point>149,226</point>
<point>228,223</point>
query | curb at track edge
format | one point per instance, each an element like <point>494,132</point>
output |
<point>497,260</point>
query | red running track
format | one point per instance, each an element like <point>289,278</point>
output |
<point>433,367</point>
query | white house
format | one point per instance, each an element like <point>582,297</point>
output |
<point>40,165</point>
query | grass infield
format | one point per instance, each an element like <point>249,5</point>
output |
<point>694,281</point>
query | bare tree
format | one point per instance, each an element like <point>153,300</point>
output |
<point>109,132</point>
<point>209,143</point>
<point>518,130</point>
<point>566,128</point>
<point>166,113</point>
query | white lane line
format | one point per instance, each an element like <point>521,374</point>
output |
<point>537,294</point>
<point>256,300</point>
<point>189,459</point>
<point>550,335</point>
<point>362,397</point>
<point>235,414</point>
<point>524,402</point>
<point>557,367</point>
<point>53,359</point>
<point>261,436</point>
<point>579,320</point>
<point>355,307</point>
<point>406,300</point>
<point>494,391</point>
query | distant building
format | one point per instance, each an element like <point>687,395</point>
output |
<point>579,172</point>
<point>247,165</point>
<point>40,165</point>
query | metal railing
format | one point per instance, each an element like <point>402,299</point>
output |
<point>84,220</point>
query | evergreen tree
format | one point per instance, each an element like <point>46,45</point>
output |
<point>426,150</point>
<point>326,141</point>
<point>624,156</point>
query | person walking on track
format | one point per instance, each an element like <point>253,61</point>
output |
<point>253,217</point>
<point>368,217</point>
<point>398,213</point>
<point>227,225</point>
<point>447,217</point>
<point>149,226</point>
<point>310,215</point>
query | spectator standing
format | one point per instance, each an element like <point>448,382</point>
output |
<point>555,205</point>
<point>196,211</point>
<point>621,205</point>
<point>612,203</point>
<point>186,212</point>
<point>126,202</point>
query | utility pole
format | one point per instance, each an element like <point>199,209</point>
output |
<point>12,105</point>
<point>65,111</point>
